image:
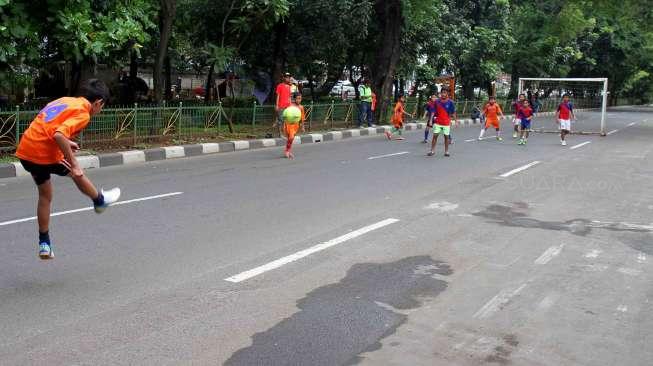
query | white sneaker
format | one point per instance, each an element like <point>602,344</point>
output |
<point>110,197</point>
<point>564,143</point>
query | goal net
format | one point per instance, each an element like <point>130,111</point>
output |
<point>587,96</point>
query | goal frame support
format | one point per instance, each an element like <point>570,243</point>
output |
<point>604,92</point>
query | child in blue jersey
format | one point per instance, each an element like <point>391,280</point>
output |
<point>429,115</point>
<point>525,116</point>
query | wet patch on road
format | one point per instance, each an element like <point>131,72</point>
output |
<point>340,321</point>
<point>636,236</point>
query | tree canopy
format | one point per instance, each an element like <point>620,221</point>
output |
<point>323,41</point>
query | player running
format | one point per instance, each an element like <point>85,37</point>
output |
<point>429,114</point>
<point>398,119</point>
<point>47,147</point>
<point>293,116</point>
<point>445,109</point>
<point>565,116</point>
<point>525,116</point>
<point>491,111</point>
<point>516,105</point>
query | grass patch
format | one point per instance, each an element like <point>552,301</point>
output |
<point>6,159</point>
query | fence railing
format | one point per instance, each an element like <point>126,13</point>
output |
<point>121,127</point>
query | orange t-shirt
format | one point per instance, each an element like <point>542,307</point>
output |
<point>398,115</point>
<point>66,115</point>
<point>492,112</point>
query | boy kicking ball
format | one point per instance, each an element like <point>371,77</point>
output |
<point>565,116</point>
<point>491,112</point>
<point>398,119</point>
<point>47,147</point>
<point>525,115</point>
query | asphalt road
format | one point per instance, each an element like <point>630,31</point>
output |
<point>500,254</point>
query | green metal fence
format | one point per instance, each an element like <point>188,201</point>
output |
<point>129,126</point>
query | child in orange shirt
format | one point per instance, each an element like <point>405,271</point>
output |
<point>398,119</point>
<point>47,147</point>
<point>492,111</point>
<point>293,117</point>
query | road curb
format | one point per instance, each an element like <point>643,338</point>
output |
<point>13,170</point>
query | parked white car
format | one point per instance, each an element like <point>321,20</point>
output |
<point>342,88</point>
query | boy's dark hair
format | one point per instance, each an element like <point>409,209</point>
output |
<point>93,90</point>
<point>296,94</point>
<point>566,95</point>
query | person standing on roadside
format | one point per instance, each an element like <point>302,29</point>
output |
<point>365,111</point>
<point>283,101</point>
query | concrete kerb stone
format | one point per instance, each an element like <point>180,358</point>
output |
<point>256,144</point>
<point>172,152</point>
<point>305,139</point>
<point>334,135</point>
<point>269,142</point>
<point>240,145</point>
<point>193,150</point>
<point>354,133</point>
<point>110,159</point>
<point>88,161</point>
<point>20,171</point>
<point>226,146</point>
<point>132,156</point>
<point>7,170</point>
<point>155,154</point>
<point>210,148</point>
<point>411,126</point>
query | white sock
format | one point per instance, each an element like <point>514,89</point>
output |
<point>482,133</point>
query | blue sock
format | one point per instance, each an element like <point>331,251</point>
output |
<point>99,201</point>
<point>426,134</point>
<point>44,237</point>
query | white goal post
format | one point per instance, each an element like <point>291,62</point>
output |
<point>593,91</point>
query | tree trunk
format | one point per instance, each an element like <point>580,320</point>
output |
<point>133,65</point>
<point>391,21</point>
<point>208,90</point>
<point>279,54</point>
<point>168,78</point>
<point>166,19</point>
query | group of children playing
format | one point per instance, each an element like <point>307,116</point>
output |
<point>47,147</point>
<point>439,112</point>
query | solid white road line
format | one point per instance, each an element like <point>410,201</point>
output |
<point>388,155</point>
<point>549,254</point>
<point>611,132</point>
<point>580,145</point>
<point>594,253</point>
<point>306,252</point>
<point>522,168</point>
<point>497,302</point>
<point>91,208</point>
<point>631,124</point>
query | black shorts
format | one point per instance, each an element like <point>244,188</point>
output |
<point>41,173</point>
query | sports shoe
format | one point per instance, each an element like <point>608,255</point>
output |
<point>564,143</point>
<point>499,138</point>
<point>480,139</point>
<point>388,135</point>
<point>520,142</point>
<point>425,142</point>
<point>45,251</point>
<point>447,154</point>
<point>514,135</point>
<point>110,197</point>
<point>431,153</point>
<point>399,138</point>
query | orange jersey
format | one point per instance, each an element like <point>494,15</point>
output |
<point>492,112</point>
<point>67,115</point>
<point>398,115</point>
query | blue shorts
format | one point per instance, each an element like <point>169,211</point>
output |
<point>525,124</point>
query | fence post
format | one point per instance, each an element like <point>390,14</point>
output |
<point>135,127</point>
<point>17,126</point>
<point>310,118</point>
<point>254,119</point>
<point>179,119</point>
<point>333,111</point>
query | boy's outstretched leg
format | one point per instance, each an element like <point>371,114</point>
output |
<point>101,200</point>
<point>480,137</point>
<point>447,141</point>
